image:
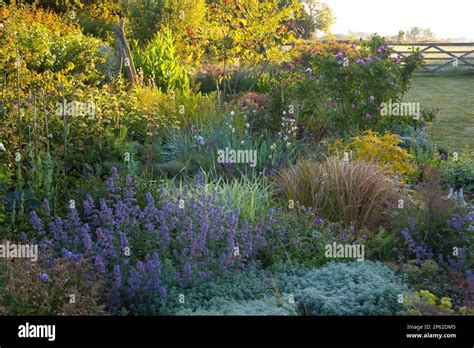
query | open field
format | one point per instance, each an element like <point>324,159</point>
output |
<point>454,96</point>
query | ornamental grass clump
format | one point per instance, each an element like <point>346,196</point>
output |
<point>355,193</point>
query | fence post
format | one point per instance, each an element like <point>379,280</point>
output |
<point>124,51</point>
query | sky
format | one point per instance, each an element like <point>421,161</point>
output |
<point>447,19</point>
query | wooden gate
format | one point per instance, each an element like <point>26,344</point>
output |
<point>439,56</point>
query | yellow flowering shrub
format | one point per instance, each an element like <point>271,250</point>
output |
<point>423,302</point>
<point>383,149</point>
<point>424,296</point>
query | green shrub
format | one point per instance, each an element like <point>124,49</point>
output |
<point>48,49</point>
<point>417,141</point>
<point>432,224</point>
<point>357,288</point>
<point>459,174</point>
<point>160,63</point>
<point>298,237</point>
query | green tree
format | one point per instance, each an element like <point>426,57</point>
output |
<point>246,35</point>
<point>147,17</point>
<point>317,16</point>
<point>184,16</point>
<point>144,16</point>
<point>420,34</point>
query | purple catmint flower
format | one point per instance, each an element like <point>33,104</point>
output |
<point>44,276</point>
<point>46,208</point>
<point>117,276</point>
<point>406,233</point>
<point>86,237</point>
<point>99,264</point>
<point>112,183</point>
<point>199,238</point>
<point>37,223</point>
<point>200,179</point>
<point>368,116</point>
<point>123,240</point>
<point>200,140</point>
<point>187,273</point>
<point>469,276</point>
<point>88,206</point>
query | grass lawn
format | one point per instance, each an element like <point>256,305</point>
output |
<point>454,97</point>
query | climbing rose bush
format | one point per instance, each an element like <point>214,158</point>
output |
<point>344,87</point>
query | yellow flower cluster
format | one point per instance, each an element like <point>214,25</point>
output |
<point>383,149</point>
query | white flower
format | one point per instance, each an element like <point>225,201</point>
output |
<point>254,111</point>
<point>273,147</point>
<point>232,113</point>
<point>233,130</point>
<point>288,144</point>
<point>2,147</point>
<point>247,125</point>
<point>242,142</point>
<point>284,112</point>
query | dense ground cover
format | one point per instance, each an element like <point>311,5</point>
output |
<point>234,176</point>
